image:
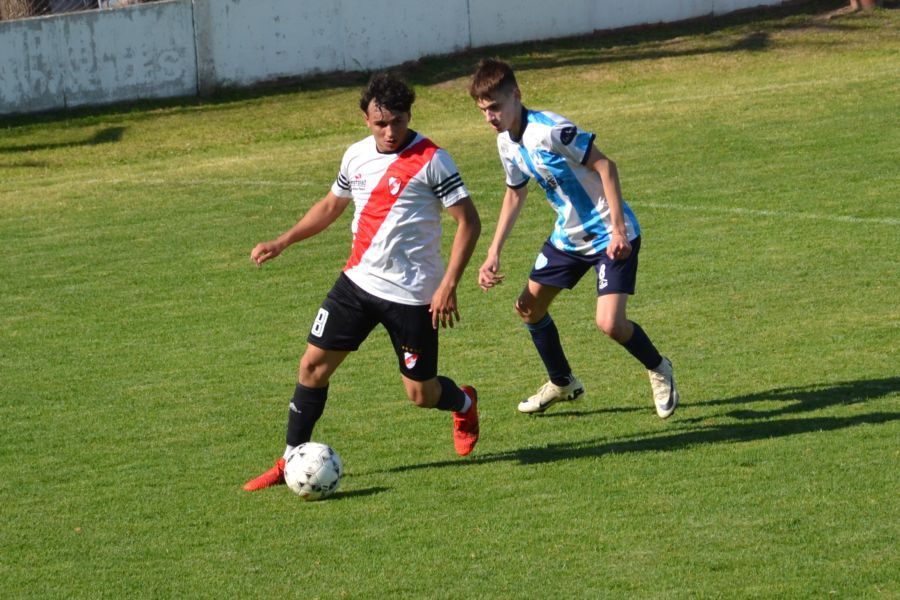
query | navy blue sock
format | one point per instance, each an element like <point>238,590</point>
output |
<point>452,398</point>
<point>306,408</point>
<point>640,347</point>
<point>546,339</point>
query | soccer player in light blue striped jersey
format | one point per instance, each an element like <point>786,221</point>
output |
<point>594,228</point>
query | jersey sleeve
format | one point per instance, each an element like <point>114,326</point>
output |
<point>445,180</point>
<point>515,178</point>
<point>341,185</point>
<point>569,141</point>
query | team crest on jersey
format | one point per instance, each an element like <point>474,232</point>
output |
<point>357,182</point>
<point>551,182</point>
<point>410,359</point>
<point>394,186</point>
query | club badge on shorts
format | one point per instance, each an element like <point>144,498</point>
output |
<point>410,359</point>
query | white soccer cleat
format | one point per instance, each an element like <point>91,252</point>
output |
<point>550,394</point>
<point>665,395</point>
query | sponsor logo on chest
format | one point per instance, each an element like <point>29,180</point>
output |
<point>358,182</point>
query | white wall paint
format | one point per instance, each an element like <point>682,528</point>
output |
<point>380,33</point>
<point>241,42</point>
<point>721,7</point>
<point>247,41</point>
<point>30,66</point>
<point>509,21</point>
<point>143,51</point>
<point>87,58</point>
<point>174,48</point>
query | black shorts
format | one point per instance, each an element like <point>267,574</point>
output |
<point>557,268</point>
<point>349,314</point>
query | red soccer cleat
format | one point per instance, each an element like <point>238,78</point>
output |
<point>274,476</point>
<point>465,425</point>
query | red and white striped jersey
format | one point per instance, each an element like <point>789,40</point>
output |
<point>396,253</point>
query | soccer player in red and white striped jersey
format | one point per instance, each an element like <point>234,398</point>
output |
<point>398,182</point>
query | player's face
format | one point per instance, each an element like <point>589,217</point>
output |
<point>501,110</point>
<point>389,128</point>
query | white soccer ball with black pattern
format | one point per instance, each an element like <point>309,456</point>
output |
<point>313,471</point>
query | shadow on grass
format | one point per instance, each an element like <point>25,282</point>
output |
<point>107,135</point>
<point>586,413</point>
<point>372,491</point>
<point>26,164</point>
<point>804,399</point>
<point>590,53</point>
<point>767,425</point>
<point>635,44</point>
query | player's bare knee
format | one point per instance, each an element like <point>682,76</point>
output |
<point>524,307</point>
<point>618,329</point>
<point>312,373</point>
<point>424,394</point>
<point>418,396</point>
<point>609,325</point>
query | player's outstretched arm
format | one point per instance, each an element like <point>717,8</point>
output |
<point>489,274</point>
<point>444,308</point>
<point>619,248</point>
<point>322,214</point>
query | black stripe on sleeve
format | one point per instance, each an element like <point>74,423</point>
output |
<point>587,151</point>
<point>446,191</point>
<point>448,185</point>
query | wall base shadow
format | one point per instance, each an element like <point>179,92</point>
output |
<point>645,43</point>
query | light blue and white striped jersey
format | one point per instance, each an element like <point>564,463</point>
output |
<point>553,151</point>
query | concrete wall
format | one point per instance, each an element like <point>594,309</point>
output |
<point>508,21</point>
<point>87,58</point>
<point>246,41</point>
<point>182,47</point>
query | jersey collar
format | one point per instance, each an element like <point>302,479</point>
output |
<point>412,135</point>
<point>524,117</point>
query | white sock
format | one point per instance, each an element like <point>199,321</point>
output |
<point>466,405</point>
<point>287,451</point>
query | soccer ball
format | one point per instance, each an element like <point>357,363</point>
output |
<point>313,471</point>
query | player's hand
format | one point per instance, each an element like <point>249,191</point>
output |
<point>265,251</point>
<point>443,307</point>
<point>489,274</point>
<point>619,247</point>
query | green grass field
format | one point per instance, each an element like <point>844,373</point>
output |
<point>147,365</point>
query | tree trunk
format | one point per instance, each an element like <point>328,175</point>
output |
<point>18,9</point>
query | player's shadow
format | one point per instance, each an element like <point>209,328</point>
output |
<point>796,400</point>
<point>574,411</point>
<point>107,135</point>
<point>26,164</point>
<point>750,426</point>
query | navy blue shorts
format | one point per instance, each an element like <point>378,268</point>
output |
<point>557,268</point>
<point>349,314</point>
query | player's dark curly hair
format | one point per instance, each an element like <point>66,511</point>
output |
<point>388,91</point>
